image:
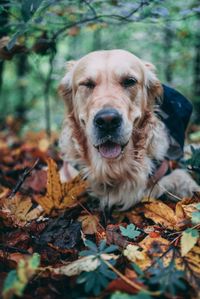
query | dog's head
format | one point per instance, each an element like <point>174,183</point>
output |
<point>108,93</point>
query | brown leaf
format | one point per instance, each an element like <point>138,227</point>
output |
<point>160,213</point>
<point>46,203</point>
<point>54,189</point>
<point>114,237</point>
<point>89,223</point>
<point>135,218</point>
<point>60,196</point>
<point>120,285</point>
<point>18,210</point>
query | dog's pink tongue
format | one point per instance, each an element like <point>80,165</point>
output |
<point>110,150</point>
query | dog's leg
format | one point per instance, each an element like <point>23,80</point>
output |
<point>179,183</point>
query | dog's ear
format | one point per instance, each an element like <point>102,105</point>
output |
<point>65,87</point>
<point>152,84</point>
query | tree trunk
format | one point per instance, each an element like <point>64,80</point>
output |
<point>21,73</point>
<point>168,40</point>
<point>3,22</point>
<point>196,73</point>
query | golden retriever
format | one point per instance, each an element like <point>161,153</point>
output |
<point>111,130</point>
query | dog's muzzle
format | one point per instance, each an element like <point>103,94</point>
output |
<point>108,124</point>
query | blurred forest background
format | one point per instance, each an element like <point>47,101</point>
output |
<point>37,37</point>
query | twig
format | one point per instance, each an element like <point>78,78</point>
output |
<point>22,179</point>
<point>171,194</point>
<point>128,281</point>
<point>99,17</point>
<point>123,277</point>
<point>89,213</point>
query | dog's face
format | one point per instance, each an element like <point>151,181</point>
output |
<point>108,93</point>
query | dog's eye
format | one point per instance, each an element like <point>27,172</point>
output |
<point>89,84</point>
<point>128,82</point>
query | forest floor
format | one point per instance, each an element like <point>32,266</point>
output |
<point>54,242</point>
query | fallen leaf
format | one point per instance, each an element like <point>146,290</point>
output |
<point>61,232</point>
<point>119,284</point>
<point>114,237</point>
<point>135,218</point>
<point>17,280</point>
<point>18,210</point>
<point>89,223</point>
<point>188,240</point>
<point>87,264</point>
<point>133,253</point>
<point>131,231</point>
<point>60,196</point>
<point>160,213</point>
<point>54,188</point>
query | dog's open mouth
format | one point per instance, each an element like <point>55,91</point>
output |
<point>110,150</point>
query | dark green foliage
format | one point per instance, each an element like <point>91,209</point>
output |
<point>98,279</point>
<point>194,162</point>
<point>94,250</point>
<point>167,278</point>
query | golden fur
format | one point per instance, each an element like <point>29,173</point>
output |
<point>121,181</point>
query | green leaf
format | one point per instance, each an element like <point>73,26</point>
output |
<point>90,284</point>
<point>86,253</point>
<point>28,8</point>
<point>12,285</point>
<point>167,279</point>
<point>102,245</point>
<point>196,217</point>
<point>137,269</point>
<point>34,262</point>
<point>111,248</point>
<point>131,231</point>
<point>91,246</point>
<point>198,206</point>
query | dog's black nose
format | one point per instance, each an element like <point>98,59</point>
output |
<point>108,119</point>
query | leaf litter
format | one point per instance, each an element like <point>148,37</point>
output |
<point>52,234</point>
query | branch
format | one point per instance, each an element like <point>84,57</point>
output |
<point>22,179</point>
<point>46,95</point>
<point>100,17</point>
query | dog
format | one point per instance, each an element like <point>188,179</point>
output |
<point>113,132</point>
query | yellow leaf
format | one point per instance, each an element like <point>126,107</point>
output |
<point>87,263</point>
<point>160,213</point>
<point>46,203</point>
<point>60,196</point>
<point>72,190</point>
<point>188,240</point>
<point>54,189</point>
<point>193,260</point>
<point>23,208</point>
<point>134,254</point>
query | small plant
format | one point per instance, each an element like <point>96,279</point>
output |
<point>98,279</point>
<point>131,231</point>
<point>17,280</point>
<point>167,278</point>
